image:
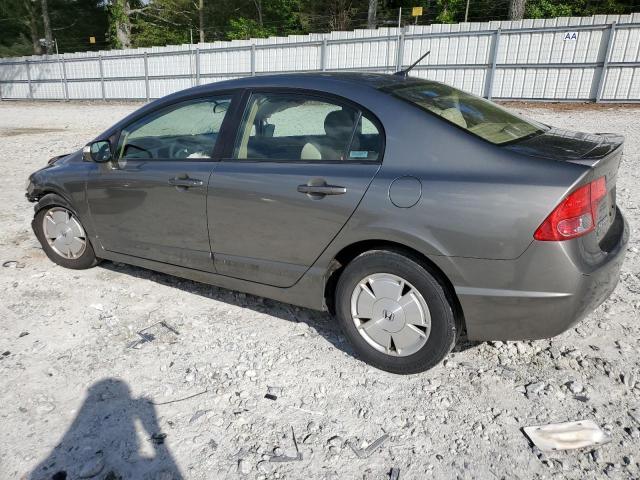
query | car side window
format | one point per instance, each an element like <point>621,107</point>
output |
<point>298,127</point>
<point>188,130</point>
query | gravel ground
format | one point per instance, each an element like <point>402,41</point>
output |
<point>79,397</point>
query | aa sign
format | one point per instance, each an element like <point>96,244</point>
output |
<point>570,36</point>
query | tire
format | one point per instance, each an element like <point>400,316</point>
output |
<point>407,299</point>
<point>67,251</point>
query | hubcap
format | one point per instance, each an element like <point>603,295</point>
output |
<point>64,233</point>
<point>390,314</point>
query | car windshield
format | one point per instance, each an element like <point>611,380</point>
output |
<point>476,115</point>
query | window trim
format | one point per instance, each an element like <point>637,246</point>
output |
<point>217,150</point>
<point>228,154</point>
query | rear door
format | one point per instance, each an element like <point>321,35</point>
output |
<point>299,166</point>
<point>150,201</point>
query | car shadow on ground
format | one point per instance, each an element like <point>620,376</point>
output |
<point>321,322</point>
<point>114,436</point>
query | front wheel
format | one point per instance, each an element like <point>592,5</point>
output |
<point>395,313</point>
<point>63,238</point>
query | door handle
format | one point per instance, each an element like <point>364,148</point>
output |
<point>322,189</point>
<point>185,181</point>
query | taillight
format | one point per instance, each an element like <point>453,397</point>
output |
<point>576,215</point>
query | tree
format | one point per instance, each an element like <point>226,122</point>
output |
<point>201,20</point>
<point>46,21</point>
<point>371,16</point>
<point>258,4</point>
<point>32,21</point>
<point>516,9</point>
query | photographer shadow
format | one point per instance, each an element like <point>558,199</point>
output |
<point>113,436</point>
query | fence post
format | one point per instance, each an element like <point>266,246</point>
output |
<point>400,51</point>
<point>253,60</point>
<point>197,65</point>
<point>65,82</point>
<point>323,55</point>
<point>26,62</point>
<point>491,73</point>
<point>605,63</point>
<point>104,96</point>
<point>146,76</point>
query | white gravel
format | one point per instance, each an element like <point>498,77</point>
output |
<point>77,399</point>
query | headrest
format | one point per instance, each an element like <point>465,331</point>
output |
<point>338,124</point>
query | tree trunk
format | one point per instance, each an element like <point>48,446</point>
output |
<point>47,26</point>
<point>33,27</point>
<point>123,24</point>
<point>371,17</point>
<point>258,4</point>
<point>201,20</point>
<point>516,9</point>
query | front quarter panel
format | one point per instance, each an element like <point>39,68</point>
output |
<point>66,178</point>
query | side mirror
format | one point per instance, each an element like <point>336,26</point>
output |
<point>98,152</point>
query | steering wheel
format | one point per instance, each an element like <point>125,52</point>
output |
<point>181,148</point>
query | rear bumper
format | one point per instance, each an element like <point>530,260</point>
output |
<point>547,290</point>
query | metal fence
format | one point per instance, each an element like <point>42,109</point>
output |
<point>561,59</point>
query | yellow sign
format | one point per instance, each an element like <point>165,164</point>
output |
<point>92,39</point>
<point>416,12</point>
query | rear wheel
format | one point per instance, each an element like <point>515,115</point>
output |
<point>395,313</point>
<point>63,238</point>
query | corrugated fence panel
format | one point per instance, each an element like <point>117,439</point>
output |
<point>161,87</point>
<point>11,72</point>
<point>565,58</point>
<point>85,90</point>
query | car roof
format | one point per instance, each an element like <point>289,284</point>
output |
<point>344,80</point>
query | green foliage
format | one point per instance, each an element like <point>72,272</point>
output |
<point>149,34</point>
<point>21,46</point>
<point>244,28</point>
<point>162,22</point>
<point>450,10</point>
<point>549,8</point>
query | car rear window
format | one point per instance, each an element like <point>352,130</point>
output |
<point>474,114</point>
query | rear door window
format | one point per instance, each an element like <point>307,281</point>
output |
<point>299,127</point>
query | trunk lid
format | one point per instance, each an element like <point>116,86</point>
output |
<point>566,145</point>
<point>600,152</point>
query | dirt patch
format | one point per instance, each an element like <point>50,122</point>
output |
<point>13,132</point>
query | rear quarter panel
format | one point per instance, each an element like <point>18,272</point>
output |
<point>478,200</point>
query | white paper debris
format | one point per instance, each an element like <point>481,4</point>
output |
<point>567,436</point>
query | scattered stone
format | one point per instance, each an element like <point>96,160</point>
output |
<point>93,467</point>
<point>243,466</point>
<point>23,334</point>
<point>335,441</point>
<point>158,438</point>
<point>535,388</point>
<point>265,466</point>
<point>575,387</point>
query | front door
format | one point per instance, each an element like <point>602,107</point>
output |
<point>300,166</point>
<point>150,201</point>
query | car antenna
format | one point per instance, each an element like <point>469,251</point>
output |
<point>405,72</point>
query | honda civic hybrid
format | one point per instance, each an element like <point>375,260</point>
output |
<point>410,210</point>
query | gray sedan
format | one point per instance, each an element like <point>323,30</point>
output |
<point>409,209</point>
